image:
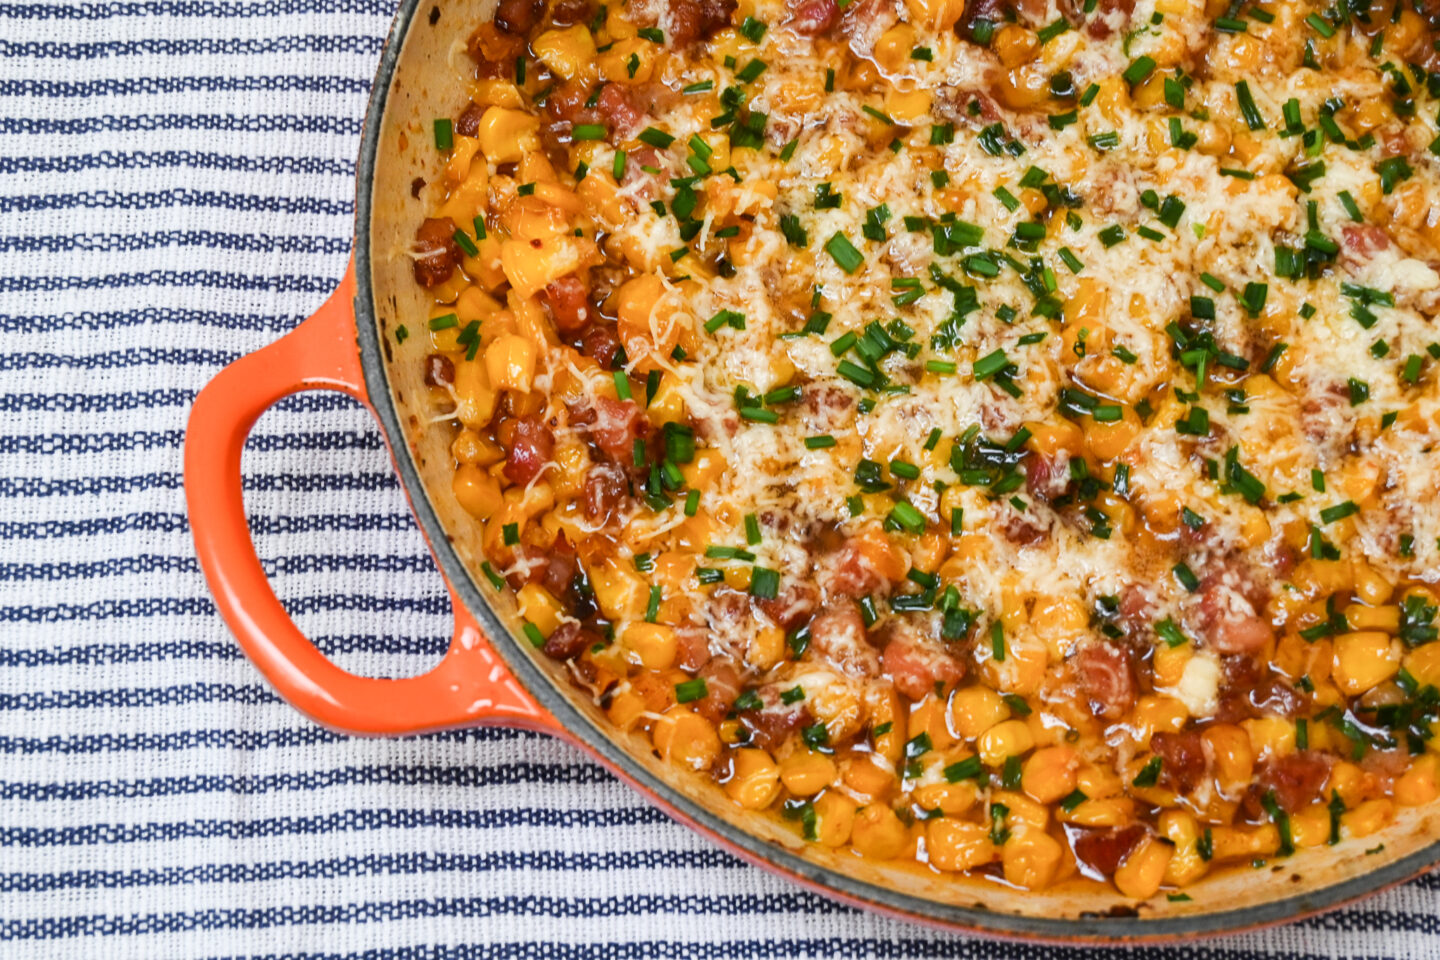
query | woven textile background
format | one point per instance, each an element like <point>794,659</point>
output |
<point>175,190</point>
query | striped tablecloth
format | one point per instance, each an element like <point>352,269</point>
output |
<point>175,190</point>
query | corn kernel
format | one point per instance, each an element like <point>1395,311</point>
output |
<point>754,779</point>
<point>878,833</point>
<point>1009,739</point>
<point>806,774</point>
<point>976,709</point>
<point>957,844</point>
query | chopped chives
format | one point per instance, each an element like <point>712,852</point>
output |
<point>1138,71</point>
<point>1248,110</point>
<point>844,253</point>
<point>444,134</point>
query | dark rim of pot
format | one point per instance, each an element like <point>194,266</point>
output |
<point>540,686</point>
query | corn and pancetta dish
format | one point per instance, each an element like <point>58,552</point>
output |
<point>999,437</point>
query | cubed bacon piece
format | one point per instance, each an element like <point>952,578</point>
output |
<point>1103,851</point>
<point>618,108</point>
<point>567,12</point>
<point>1182,758</point>
<point>618,424</point>
<point>570,640</point>
<point>722,686</point>
<point>568,302</point>
<point>1106,679</point>
<point>604,489</point>
<point>439,369</point>
<point>436,253</point>
<point>530,448</point>
<point>602,344</point>
<point>559,569</point>
<point>862,565</point>
<point>1226,618</point>
<point>468,123</point>
<point>518,16</point>
<point>774,720</point>
<point>838,639</point>
<point>692,648</point>
<point>812,17</point>
<point>1047,477</point>
<point>692,20</point>
<point>918,665</point>
<point>1298,779</point>
<point>792,605</point>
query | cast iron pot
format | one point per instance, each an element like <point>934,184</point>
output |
<point>491,675</point>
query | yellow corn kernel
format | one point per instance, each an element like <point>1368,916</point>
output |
<point>937,15</point>
<point>507,135</point>
<point>568,52</point>
<point>1385,617</point>
<point>892,49</point>
<point>1049,774</point>
<point>866,777</point>
<point>626,708</point>
<point>702,472</point>
<point>928,717</point>
<point>1097,782</point>
<point>877,833</point>
<point>540,607</point>
<point>1363,660</point>
<point>1140,876</point>
<point>1369,817</point>
<point>1008,739</point>
<point>532,265</point>
<point>907,105</point>
<point>1014,45</point>
<point>476,491</point>
<point>1418,785</point>
<point>976,709</point>
<point>957,844</point>
<point>886,709</point>
<point>806,774</point>
<point>1031,859</point>
<point>649,645</point>
<point>619,591</point>
<point>1169,663</point>
<point>1233,753</point>
<point>1243,843</point>
<point>668,405</point>
<point>951,798</point>
<point>474,396</point>
<point>1109,812</point>
<point>470,447</point>
<point>1181,829</point>
<point>1270,736</point>
<point>1310,827</point>
<point>1107,440</point>
<point>834,818</point>
<point>766,648</point>
<point>1052,437</point>
<point>754,779</point>
<point>1024,812</point>
<point>1370,584</point>
<point>572,462</point>
<point>1348,780</point>
<point>1319,578</point>
<point>510,362</point>
<point>1155,714</point>
<point>686,739</point>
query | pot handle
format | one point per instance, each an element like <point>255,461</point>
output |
<point>471,685</point>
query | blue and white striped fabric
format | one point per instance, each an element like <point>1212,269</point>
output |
<point>175,190</point>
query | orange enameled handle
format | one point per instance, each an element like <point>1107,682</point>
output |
<point>471,685</point>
